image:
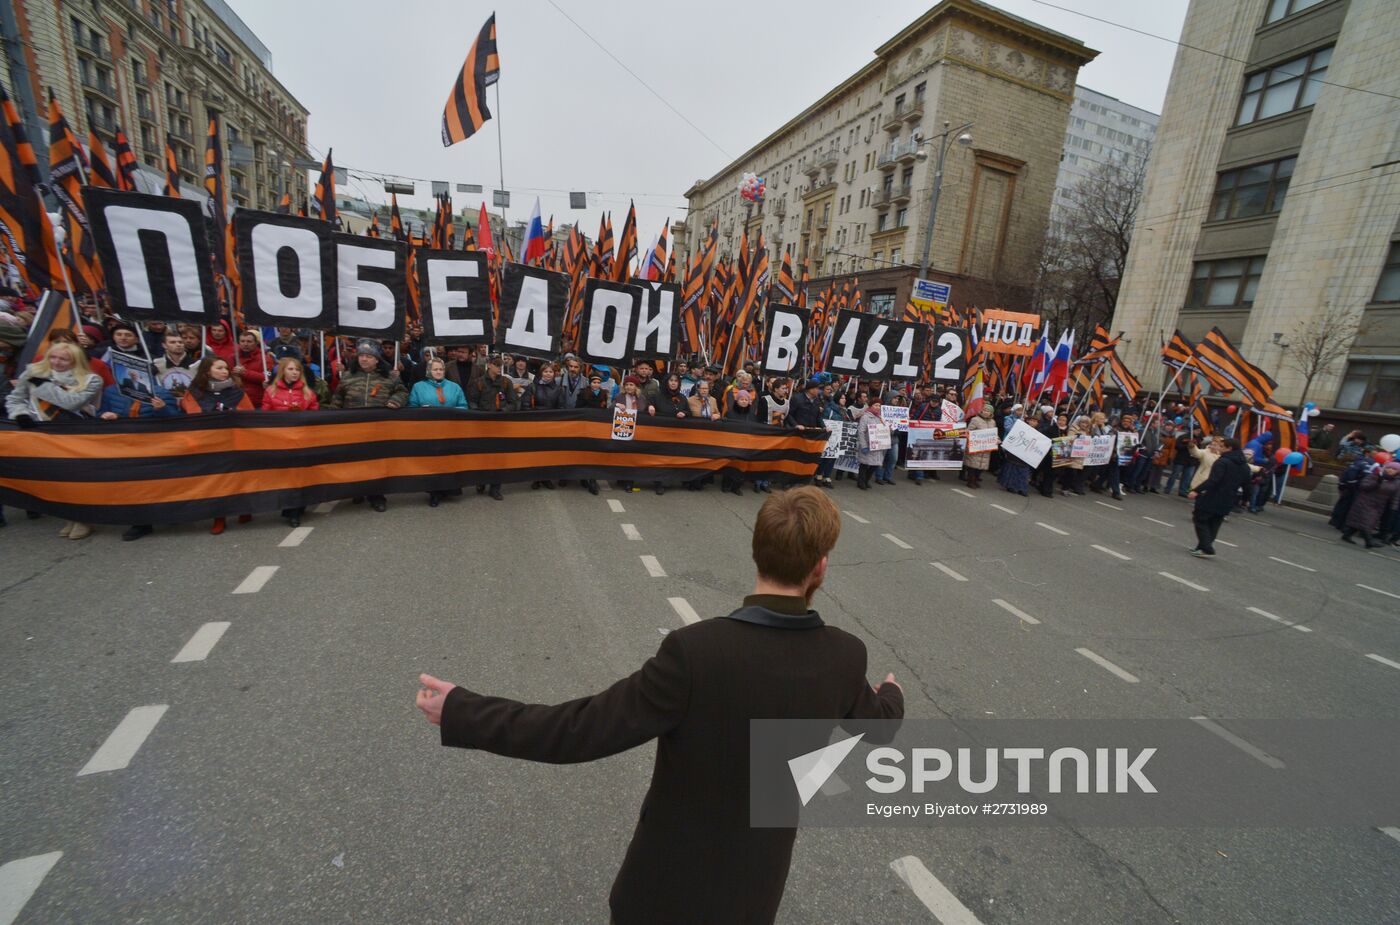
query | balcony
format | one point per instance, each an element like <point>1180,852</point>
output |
<point>817,186</point>
<point>178,103</point>
<point>829,159</point>
<point>895,120</point>
<point>147,114</point>
<point>812,170</point>
<point>90,45</point>
<point>907,153</point>
<point>901,194</point>
<point>99,85</point>
<point>183,136</point>
<point>779,209</point>
<point>102,125</point>
<point>913,112</point>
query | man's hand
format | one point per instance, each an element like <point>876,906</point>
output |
<point>434,692</point>
<point>889,679</point>
<point>157,402</point>
<point>1191,495</point>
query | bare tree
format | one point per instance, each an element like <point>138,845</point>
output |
<point>1086,251</point>
<point>1318,344</point>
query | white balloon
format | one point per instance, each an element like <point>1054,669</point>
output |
<point>1390,443</point>
<point>1313,412</point>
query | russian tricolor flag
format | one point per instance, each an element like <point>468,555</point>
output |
<point>1058,377</point>
<point>533,246</point>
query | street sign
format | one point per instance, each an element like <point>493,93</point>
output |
<point>926,290</point>
<point>439,187</point>
<point>500,198</point>
<point>578,200</point>
<point>469,187</point>
<point>398,186</point>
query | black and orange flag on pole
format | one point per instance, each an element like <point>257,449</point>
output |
<point>25,231</point>
<point>323,199</point>
<point>126,163</point>
<point>395,219</point>
<point>284,205</point>
<point>373,230</point>
<point>603,248</point>
<point>67,176</point>
<point>172,172</point>
<point>466,110</point>
<point>1178,352</point>
<point>214,187</point>
<point>626,245</point>
<point>100,172</point>
<point>1227,368</point>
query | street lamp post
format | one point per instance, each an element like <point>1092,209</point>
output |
<point>964,139</point>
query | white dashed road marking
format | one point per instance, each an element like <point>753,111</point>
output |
<point>1189,584</point>
<point>896,540</point>
<point>631,532</point>
<point>1392,831</point>
<point>1107,665</point>
<point>1278,619</point>
<point>615,506</point>
<point>653,567</point>
<point>296,537</point>
<point>1052,529</point>
<point>325,507</point>
<point>1005,510</point>
<point>939,900</point>
<point>200,644</point>
<point>121,746</point>
<point>256,579</point>
<point>1377,590</point>
<point>1156,521</point>
<point>947,571</point>
<point>1015,611</point>
<point>1106,504</point>
<point>1228,543</point>
<point>683,609</point>
<point>18,881</point>
<point>1114,554</point>
<point>1384,661</point>
<point>856,517</point>
<point>965,494</point>
<point>1248,748</point>
<point>1294,564</point>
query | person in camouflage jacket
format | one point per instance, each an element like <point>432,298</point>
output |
<point>368,387</point>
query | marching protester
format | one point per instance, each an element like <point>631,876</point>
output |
<point>368,386</point>
<point>219,341</point>
<point>1051,426</point>
<point>289,391</point>
<point>494,393</point>
<point>1346,487</point>
<point>573,381</point>
<point>743,410</point>
<point>545,393</point>
<point>696,696</point>
<point>251,365</point>
<point>631,399</point>
<point>1183,469</point>
<point>976,464</point>
<point>437,391</point>
<point>870,457</point>
<point>1377,495</point>
<point>1216,496</point>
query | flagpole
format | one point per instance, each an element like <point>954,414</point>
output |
<point>1088,392</point>
<point>1163,397</point>
<point>501,161</point>
<point>63,267</point>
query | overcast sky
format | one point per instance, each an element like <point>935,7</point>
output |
<point>375,77</point>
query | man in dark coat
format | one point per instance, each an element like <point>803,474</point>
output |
<point>694,858</point>
<point>1217,496</point>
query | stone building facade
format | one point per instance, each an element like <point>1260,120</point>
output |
<point>1272,201</point>
<point>159,68</point>
<point>850,179</point>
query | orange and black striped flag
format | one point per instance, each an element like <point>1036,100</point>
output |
<point>99,167</point>
<point>67,176</point>
<point>373,231</point>
<point>626,245</point>
<point>786,284</point>
<point>126,163</point>
<point>1227,368</point>
<point>214,188</point>
<point>1127,383</point>
<point>284,205</point>
<point>24,224</point>
<point>802,285</point>
<point>1178,351</point>
<point>1199,412</point>
<point>466,110</point>
<point>468,237</point>
<point>395,219</point>
<point>603,248</point>
<point>172,172</point>
<point>323,199</point>
<point>53,314</point>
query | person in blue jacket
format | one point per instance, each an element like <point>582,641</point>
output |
<point>117,405</point>
<point>437,391</point>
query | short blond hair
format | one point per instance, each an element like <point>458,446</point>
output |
<point>794,530</point>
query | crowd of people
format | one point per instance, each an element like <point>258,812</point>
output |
<point>213,371</point>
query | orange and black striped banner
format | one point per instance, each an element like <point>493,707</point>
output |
<point>196,467</point>
<point>25,232</point>
<point>1226,368</point>
<point>466,112</point>
<point>126,162</point>
<point>323,205</point>
<point>172,172</point>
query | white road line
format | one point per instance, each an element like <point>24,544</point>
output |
<point>200,644</point>
<point>121,746</point>
<point>1384,661</point>
<point>856,517</point>
<point>1248,748</point>
<point>1277,619</point>
<point>1294,564</point>
<point>1377,590</point>
<point>1312,536</point>
<point>1189,584</point>
<point>615,506</point>
<point>1016,611</point>
<point>939,900</point>
<point>1379,556</point>
<point>1115,554</point>
<point>1107,665</point>
<point>1106,504</point>
<point>683,609</point>
<point>896,540</point>
<point>256,579</point>
<point>325,507</point>
<point>631,532</point>
<point>947,571</point>
<point>1005,509</point>
<point>965,494</point>
<point>1156,521</point>
<point>1392,831</point>
<point>654,568</point>
<point>1228,543</point>
<point>296,537</point>
<point>18,881</point>
<point>1052,529</point>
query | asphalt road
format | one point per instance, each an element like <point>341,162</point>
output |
<point>285,776</point>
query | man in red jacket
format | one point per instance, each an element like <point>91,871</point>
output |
<point>694,858</point>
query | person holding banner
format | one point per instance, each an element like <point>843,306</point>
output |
<point>974,464</point>
<point>437,391</point>
<point>368,386</point>
<point>631,399</point>
<point>289,391</point>
<point>1072,476</point>
<point>872,442</point>
<point>926,408</point>
<point>250,366</point>
<point>214,390</point>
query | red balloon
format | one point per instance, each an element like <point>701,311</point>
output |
<point>1280,453</point>
<point>1231,409</point>
<point>1381,457</point>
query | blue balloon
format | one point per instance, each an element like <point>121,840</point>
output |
<point>1293,459</point>
<point>1177,421</point>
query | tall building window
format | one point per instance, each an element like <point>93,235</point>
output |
<point>1284,87</point>
<point>896,255</point>
<point>881,221</point>
<point>1388,289</point>
<point>901,218</point>
<point>1225,283</point>
<point>881,304</point>
<point>1278,9</point>
<point>1371,386</point>
<point>1255,190</point>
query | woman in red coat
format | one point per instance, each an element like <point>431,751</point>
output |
<point>288,391</point>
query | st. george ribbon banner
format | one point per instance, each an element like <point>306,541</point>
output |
<point>181,469</point>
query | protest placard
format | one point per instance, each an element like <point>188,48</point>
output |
<point>982,441</point>
<point>935,446</point>
<point>832,450</point>
<point>1100,450</point>
<point>624,423</point>
<point>896,417</point>
<point>1026,444</point>
<point>1062,451</point>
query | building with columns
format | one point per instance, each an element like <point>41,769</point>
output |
<point>158,68</point>
<point>850,179</point>
<point>1272,201</point>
